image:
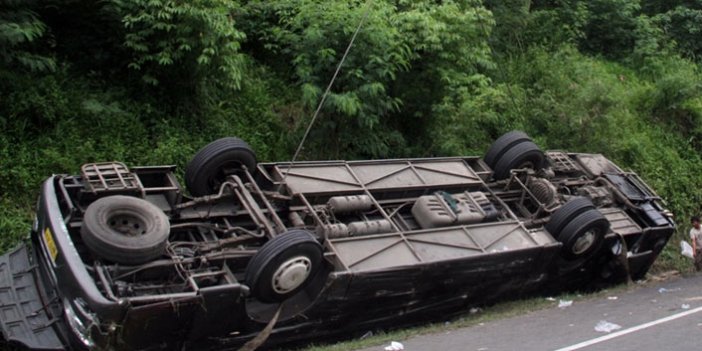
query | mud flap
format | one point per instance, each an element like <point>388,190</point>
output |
<point>639,263</point>
<point>23,318</point>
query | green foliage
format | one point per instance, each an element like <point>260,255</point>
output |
<point>19,28</point>
<point>452,59</point>
<point>620,77</point>
<point>438,49</point>
<point>313,35</point>
<point>611,27</point>
<point>684,25</point>
<point>182,43</point>
<point>553,23</point>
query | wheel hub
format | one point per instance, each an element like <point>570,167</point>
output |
<point>127,224</point>
<point>291,274</point>
<point>584,242</point>
<point>527,164</point>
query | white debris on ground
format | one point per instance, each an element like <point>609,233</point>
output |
<point>550,299</point>
<point>685,306</point>
<point>612,297</point>
<point>395,346</point>
<point>606,327</point>
<point>665,290</point>
<point>475,310</point>
<point>565,303</point>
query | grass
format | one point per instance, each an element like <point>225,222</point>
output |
<point>498,311</point>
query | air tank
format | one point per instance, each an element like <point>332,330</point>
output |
<point>370,227</point>
<point>350,203</point>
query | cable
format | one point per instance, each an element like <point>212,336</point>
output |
<point>326,92</point>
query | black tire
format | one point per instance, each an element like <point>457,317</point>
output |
<point>502,145</point>
<point>210,166</point>
<point>293,246</point>
<point>566,213</point>
<point>524,154</point>
<point>125,229</point>
<point>584,235</point>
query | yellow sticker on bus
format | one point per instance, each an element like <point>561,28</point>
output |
<point>50,244</point>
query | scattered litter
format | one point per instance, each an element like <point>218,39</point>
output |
<point>685,306</point>
<point>565,303</point>
<point>395,346</point>
<point>368,334</point>
<point>550,299</point>
<point>481,324</point>
<point>612,297</point>
<point>664,290</point>
<point>607,327</point>
<point>661,277</point>
<point>686,249</point>
<point>474,310</point>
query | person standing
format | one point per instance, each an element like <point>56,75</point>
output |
<point>696,238</point>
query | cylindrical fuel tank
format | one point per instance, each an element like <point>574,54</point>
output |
<point>351,203</point>
<point>370,227</point>
<point>333,231</point>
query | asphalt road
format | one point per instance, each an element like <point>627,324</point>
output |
<point>653,317</point>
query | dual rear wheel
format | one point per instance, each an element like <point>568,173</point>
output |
<point>514,150</point>
<point>578,225</point>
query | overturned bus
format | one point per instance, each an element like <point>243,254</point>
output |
<point>126,258</point>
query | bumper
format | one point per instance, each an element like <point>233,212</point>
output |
<point>23,310</point>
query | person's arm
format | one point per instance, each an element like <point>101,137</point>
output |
<point>694,243</point>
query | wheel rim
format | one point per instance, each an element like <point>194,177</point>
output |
<point>230,168</point>
<point>584,242</point>
<point>291,274</point>
<point>127,224</point>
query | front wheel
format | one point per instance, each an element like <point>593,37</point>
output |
<point>283,266</point>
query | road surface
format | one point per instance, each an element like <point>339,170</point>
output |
<point>663,316</point>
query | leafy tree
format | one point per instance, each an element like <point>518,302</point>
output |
<point>654,7</point>
<point>409,57</point>
<point>684,25</point>
<point>451,62</point>
<point>553,23</point>
<point>311,36</point>
<point>20,27</point>
<point>611,27</point>
<point>190,45</point>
